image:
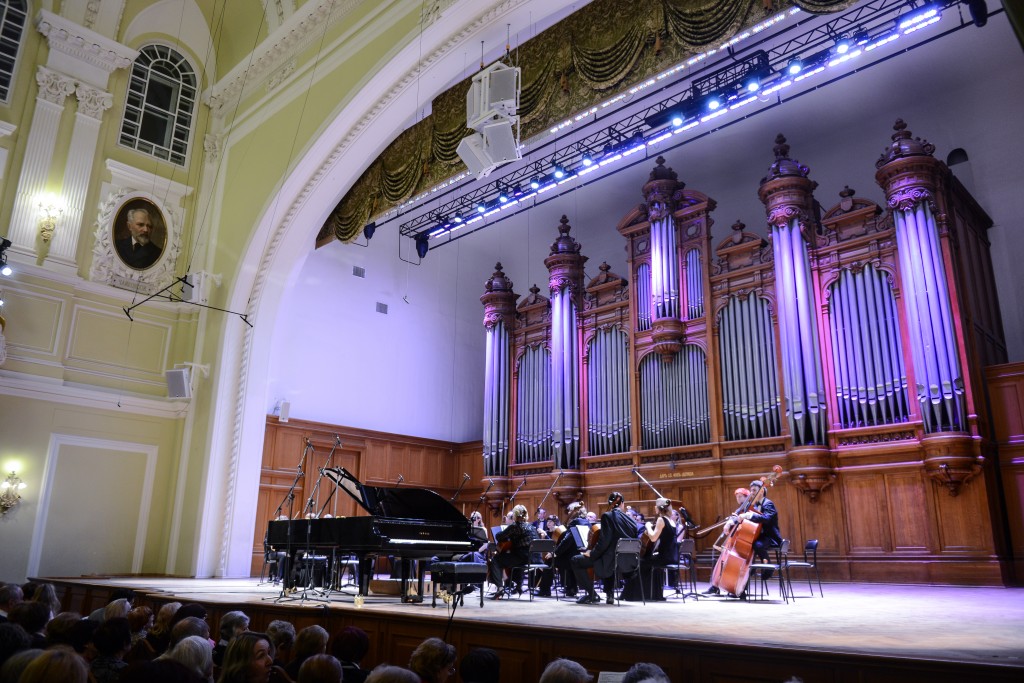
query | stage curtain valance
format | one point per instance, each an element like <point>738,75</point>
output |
<point>584,59</point>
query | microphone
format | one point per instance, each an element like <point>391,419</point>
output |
<point>465,476</point>
<point>490,481</point>
<point>337,440</point>
<point>309,444</point>
<point>400,479</point>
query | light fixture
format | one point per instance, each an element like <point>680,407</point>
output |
<point>588,160</point>
<point>369,230</point>
<point>752,84</point>
<point>422,244</point>
<point>9,496</point>
<point>481,207</point>
<point>677,120</point>
<point>795,66</point>
<point>843,45</point>
<point>559,172</point>
<point>714,102</point>
<point>457,218</point>
<point>49,211</point>
<point>503,195</point>
<point>535,183</point>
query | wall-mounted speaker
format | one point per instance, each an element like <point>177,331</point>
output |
<point>286,408</point>
<point>179,383</point>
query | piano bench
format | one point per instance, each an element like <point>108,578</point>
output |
<point>457,574</point>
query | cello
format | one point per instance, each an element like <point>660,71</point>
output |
<point>733,566</point>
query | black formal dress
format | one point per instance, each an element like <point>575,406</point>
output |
<point>138,256</point>
<point>646,584</point>
<point>615,524</point>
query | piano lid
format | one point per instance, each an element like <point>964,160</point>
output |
<point>403,502</point>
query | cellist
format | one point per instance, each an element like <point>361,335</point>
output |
<point>763,513</point>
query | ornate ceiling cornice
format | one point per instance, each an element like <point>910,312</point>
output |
<point>82,44</point>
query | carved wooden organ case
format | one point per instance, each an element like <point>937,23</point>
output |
<point>850,343</point>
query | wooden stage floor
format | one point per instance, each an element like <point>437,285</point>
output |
<point>920,628</point>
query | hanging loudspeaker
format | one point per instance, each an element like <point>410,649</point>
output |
<point>471,151</point>
<point>500,143</point>
<point>178,384</point>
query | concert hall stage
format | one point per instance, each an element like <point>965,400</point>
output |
<point>857,632</point>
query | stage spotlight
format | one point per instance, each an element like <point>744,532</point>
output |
<point>369,230</point>
<point>534,183</point>
<point>481,207</point>
<point>503,196</point>
<point>752,84</point>
<point>978,9</point>
<point>677,120</point>
<point>422,244</point>
<point>587,160</point>
<point>457,218</point>
<point>5,269</point>
<point>559,172</point>
<point>714,102</point>
<point>843,45</point>
<point>795,67</point>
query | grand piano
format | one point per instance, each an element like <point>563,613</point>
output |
<point>404,522</point>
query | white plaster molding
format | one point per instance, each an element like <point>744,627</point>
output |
<point>7,129</point>
<point>54,87</point>
<point>131,178</point>
<point>213,145</point>
<point>149,451</point>
<point>55,390</point>
<point>81,52</point>
<point>92,102</point>
<point>186,30</point>
<point>298,32</point>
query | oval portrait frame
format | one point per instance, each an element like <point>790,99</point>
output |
<point>120,237</point>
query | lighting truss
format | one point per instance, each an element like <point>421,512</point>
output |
<point>677,109</point>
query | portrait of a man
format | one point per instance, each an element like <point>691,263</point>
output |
<point>139,234</point>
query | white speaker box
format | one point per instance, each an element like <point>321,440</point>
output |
<point>179,383</point>
<point>286,408</point>
<point>500,144</point>
<point>471,151</point>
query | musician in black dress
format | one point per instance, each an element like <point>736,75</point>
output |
<point>518,536</point>
<point>615,524</point>
<point>662,550</point>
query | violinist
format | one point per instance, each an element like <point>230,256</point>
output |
<point>514,541</point>
<point>615,524</point>
<point>661,536</point>
<point>565,549</point>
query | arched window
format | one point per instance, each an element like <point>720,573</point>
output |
<point>12,27</point>
<point>161,100</point>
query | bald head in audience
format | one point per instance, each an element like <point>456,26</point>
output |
<point>565,671</point>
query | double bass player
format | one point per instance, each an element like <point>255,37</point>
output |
<point>763,512</point>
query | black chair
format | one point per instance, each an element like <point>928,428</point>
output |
<point>538,548</point>
<point>809,562</point>
<point>686,564</point>
<point>778,568</point>
<point>273,564</point>
<point>627,562</point>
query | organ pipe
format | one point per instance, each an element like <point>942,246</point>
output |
<point>750,394</point>
<point>499,314</point>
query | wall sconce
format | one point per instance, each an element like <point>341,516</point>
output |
<point>49,212</point>
<point>9,496</point>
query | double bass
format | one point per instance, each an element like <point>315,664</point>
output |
<point>737,552</point>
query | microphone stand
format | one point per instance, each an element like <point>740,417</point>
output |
<point>290,499</point>
<point>465,478</point>
<point>310,513</point>
<point>483,496</point>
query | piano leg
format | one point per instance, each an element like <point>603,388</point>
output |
<point>365,573</point>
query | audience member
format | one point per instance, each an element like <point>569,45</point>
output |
<point>141,620</point>
<point>433,660</point>
<point>10,595</point>
<point>645,672</point>
<point>350,647</point>
<point>113,639</point>
<point>82,639</point>
<point>59,664</point>
<point>195,653</point>
<point>282,637</point>
<point>249,659</point>
<point>161,671</point>
<point>47,594</point>
<point>60,628</point>
<point>391,674</point>
<point>320,669</point>
<point>565,671</point>
<point>481,665</point>
<point>119,594</point>
<point>189,609</point>
<point>117,609</point>
<point>231,624</point>
<point>310,641</point>
<point>14,667</point>
<point>189,626</point>
<point>13,639</point>
<point>33,617</point>
<point>160,635</point>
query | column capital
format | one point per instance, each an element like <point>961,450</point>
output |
<point>92,102</point>
<point>54,86</point>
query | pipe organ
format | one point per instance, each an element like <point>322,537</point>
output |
<point>843,346</point>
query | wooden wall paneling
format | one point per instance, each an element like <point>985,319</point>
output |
<point>867,518</point>
<point>963,522</point>
<point>909,523</point>
<point>822,520</point>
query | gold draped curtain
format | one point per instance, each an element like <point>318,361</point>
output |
<point>581,61</point>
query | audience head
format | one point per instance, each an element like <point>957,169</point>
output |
<point>392,674</point>
<point>31,615</point>
<point>10,595</point>
<point>320,669</point>
<point>123,594</point>
<point>190,609</point>
<point>140,619</point>
<point>81,636</point>
<point>645,672</point>
<point>481,665</point>
<point>189,626</point>
<point>282,636</point>
<point>565,671</point>
<point>311,640</point>
<point>248,659</point>
<point>164,616</point>
<point>434,659</point>
<point>195,653</point>
<point>11,670</point>
<point>118,609</point>
<point>13,638</point>
<point>57,664</point>
<point>233,623</point>
<point>113,638</point>
<point>351,644</point>
<point>60,629</point>
<point>47,594</point>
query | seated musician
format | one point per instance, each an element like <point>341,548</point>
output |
<point>615,524</point>
<point>663,550</point>
<point>479,532</point>
<point>765,514</point>
<point>516,538</point>
<point>565,549</point>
